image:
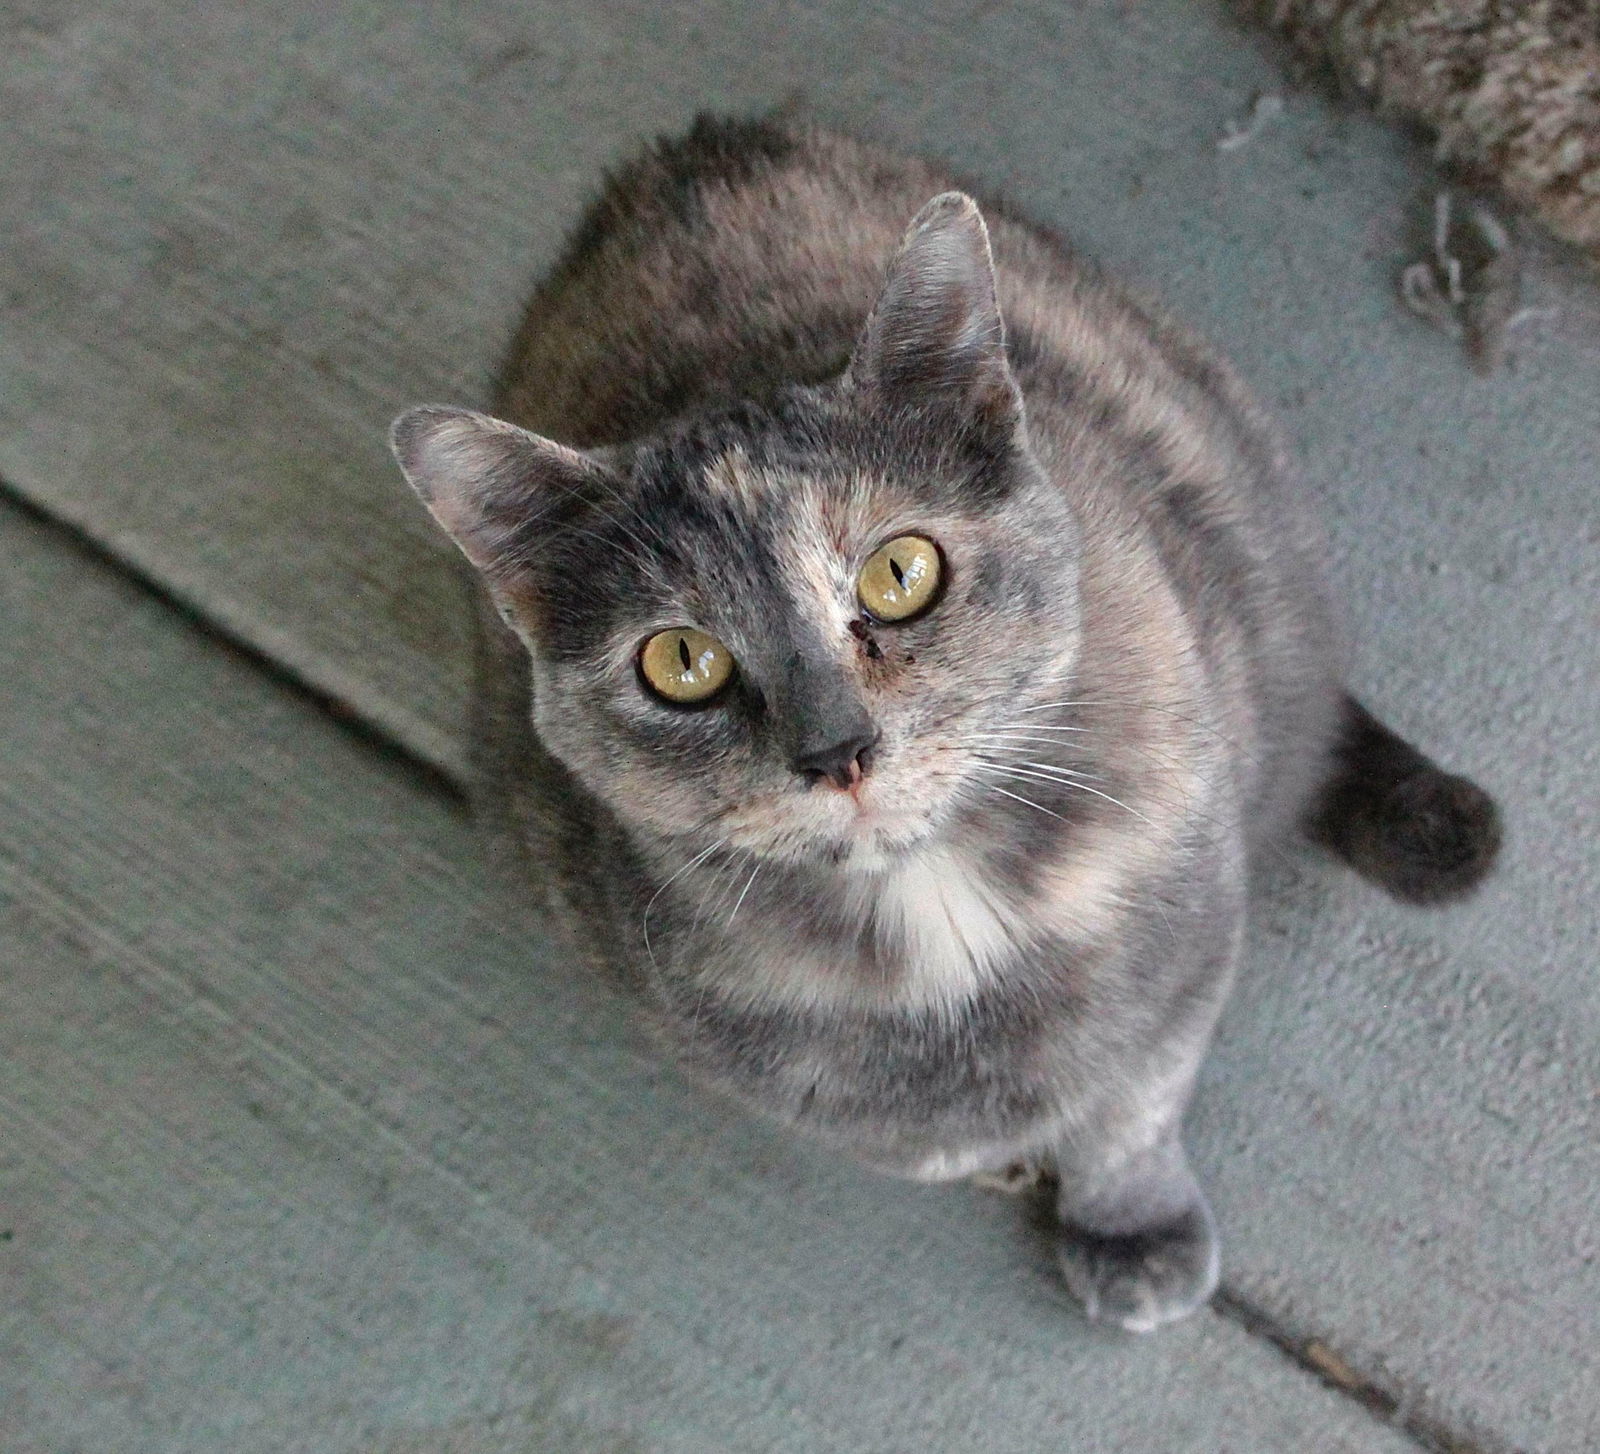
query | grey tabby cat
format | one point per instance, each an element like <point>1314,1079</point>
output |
<point>922,639</point>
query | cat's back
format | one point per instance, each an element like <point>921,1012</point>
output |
<point>715,266</point>
<point>745,254</point>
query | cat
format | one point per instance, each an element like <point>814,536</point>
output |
<point>900,645</point>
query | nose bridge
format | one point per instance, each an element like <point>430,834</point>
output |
<point>818,716</point>
<point>819,708</point>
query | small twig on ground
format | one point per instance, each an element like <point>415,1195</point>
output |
<point>1013,1180</point>
<point>1469,286</point>
<point>1265,108</point>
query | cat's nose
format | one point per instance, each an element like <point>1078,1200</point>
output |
<point>843,763</point>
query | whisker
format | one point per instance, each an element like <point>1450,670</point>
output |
<point>1084,788</point>
<point>694,862</point>
<point>1041,727</point>
<point>1031,744</point>
<point>1206,780</point>
<point>1048,777</point>
<point>1046,706</point>
<point>1017,797</point>
<point>723,880</point>
<point>1013,733</point>
<point>742,892</point>
<point>1134,704</point>
<point>1060,774</point>
<point>1162,910</point>
<point>1184,804</point>
<point>1055,767</point>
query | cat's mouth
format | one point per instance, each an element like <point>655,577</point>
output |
<point>867,840</point>
<point>876,853</point>
<point>874,836</point>
<point>867,828</point>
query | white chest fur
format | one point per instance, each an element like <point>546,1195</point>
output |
<point>937,916</point>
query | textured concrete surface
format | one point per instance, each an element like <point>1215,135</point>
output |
<point>236,243</point>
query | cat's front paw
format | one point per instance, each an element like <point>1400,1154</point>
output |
<point>1140,1280</point>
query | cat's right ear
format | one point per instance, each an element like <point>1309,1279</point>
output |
<point>492,487</point>
<point>935,336</point>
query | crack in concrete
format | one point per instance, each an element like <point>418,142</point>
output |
<point>435,776</point>
<point>1386,1401</point>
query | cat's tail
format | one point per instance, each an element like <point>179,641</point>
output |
<point>1401,821</point>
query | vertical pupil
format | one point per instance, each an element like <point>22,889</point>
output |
<point>683,653</point>
<point>899,575</point>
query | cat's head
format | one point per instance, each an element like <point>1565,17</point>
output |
<point>791,628</point>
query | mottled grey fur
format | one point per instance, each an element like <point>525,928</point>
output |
<point>1011,939</point>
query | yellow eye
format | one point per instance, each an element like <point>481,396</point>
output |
<point>900,579</point>
<point>685,665</point>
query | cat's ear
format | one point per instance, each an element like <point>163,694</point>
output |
<point>935,335</point>
<point>492,487</point>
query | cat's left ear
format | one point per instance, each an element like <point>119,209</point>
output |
<point>935,336</point>
<point>494,488</point>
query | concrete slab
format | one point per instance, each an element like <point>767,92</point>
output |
<point>244,239</point>
<point>301,1154</point>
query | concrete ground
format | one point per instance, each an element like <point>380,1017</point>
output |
<point>301,1150</point>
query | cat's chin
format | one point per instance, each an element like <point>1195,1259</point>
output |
<point>862,843</point>
<point>876,852</point>
<point>872,857</point>
<point>865,853</point>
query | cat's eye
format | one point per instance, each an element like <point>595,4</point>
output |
<point>901,579</point>
<point>684,665</point>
